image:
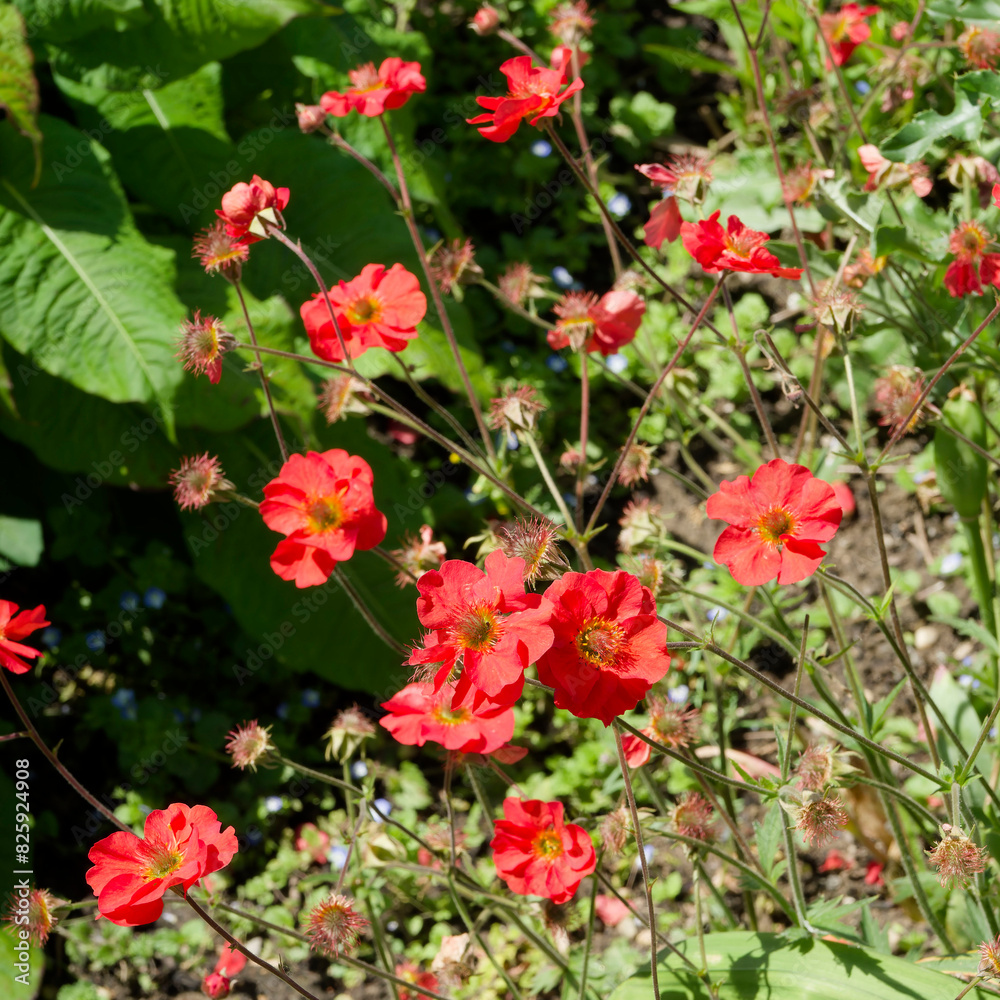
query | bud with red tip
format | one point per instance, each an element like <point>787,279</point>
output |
<point>202,344</point>
<point>485,21</point>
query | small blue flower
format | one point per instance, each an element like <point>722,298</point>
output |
<point>96,641</point>
<point>570,499</point>
<point>124,700</point>
<point>129,601</point>
<point>178,715</point>
<point>616,363</point>
<point>541,148</point>
<point>358,770</point>
<point>951,563</point>
<point>154,598</point>
<point>274,803</point>
<point>678,695</point>
<point>993,733</point>
<point>561,276</point>
<point>556,363</point>
<point>392,926</point>
<point>647,849</point>
<point>921,477</point>
<point>310,698</point>
<point>512,442</point>
<point>337,856</point>
<point>966,661</point>
<point>620,205</point>
<point>384,806</point>
<point>254,836</point>
<point>51,636</point>
<point>967,681</point>
<point>282,710</point>
<point>432,234</point>
<point>474,498</point>
<point>863,87</point>
<point>716,614</point>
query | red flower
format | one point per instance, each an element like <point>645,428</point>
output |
<point>218,983</point>
<point>893,175</point>
<point>604,324</point>
<point>609,646</point>
<point>202,344</point>
<point>536,854</point>
<point>323,504</point>
<point>735,248</point>
<point>420,713</point>
<point>374,92</point>
<point>834,862</point>
<point>996,195</point>
<point>378,308</point>
<point>685,176</point>
<point>242,205</point>
<point>487,619</point>
<point>181,845</point>
<point>777,521</point>
<point>406,969</point>
<point>199,481</point>
<point>532,93</point>
<point>17,626</point>
<point>845,29</point>
<point>972,267</point>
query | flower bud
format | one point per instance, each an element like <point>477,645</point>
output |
<point>249,744</point>
<point>347,732</point>
<point>311,116</point>
<point>956,857</point>
<point>199,481</point>
<point>485,21</point>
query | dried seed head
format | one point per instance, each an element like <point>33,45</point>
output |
<point>453,264</point>
<point>575,322</point>
<point>675,725</point>
<point>33,914</point>
<point>347,732</point>
<point>819,819</point>
<point>517,410</point>
<point>202,344</point>
<point>956,857</point>
<point>419,554</point>
<point>571,22</point>
<point>692,817</point>
<point>896,394</point>
<point>614,831</point>
<point>537,543</point>
<point>836,308</point>
<point>980,46</point>
<point>219,252</point>
<point>635,467</point>
<point>334,927</point>
<point>249,745</point>
<point>199,481</point>
<point>815,768</point>
<point>989,958</point>
<point>338,396</point>
<point>520,284</point>
<point>641,521</point>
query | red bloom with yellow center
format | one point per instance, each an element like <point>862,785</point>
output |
<point>202,345</point>
<point>487,619</point>
<point>776,523</point>
<point>375,91</point>
<point>324,505</point>
<point>972,267</point>
<point>532,93</point>
<point>378,308</point>
<point>14,626</point>
<point>845,29</point>
<point>180,845</point>
<point>537,854</point>
<point>245,202</point>
<point>734,248</point>
<point>608,648</point>
<point>467,724</point>
<point>604,324</point>
<point>685,176</point>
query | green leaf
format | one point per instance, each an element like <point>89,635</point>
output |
<point>177,38</point>
<point>917,137</point>
<point>64,20</point>
<point>769,837</point>
<point>749,966</point>
<point>837,200</point>
<point>688,59</point>
<point>887,240</point>
<point>82,293</point>
<point>12,987</point>
<point>18,86</point>
<point>985,13</point>
<point>972,629</point>
<point>21,540</point>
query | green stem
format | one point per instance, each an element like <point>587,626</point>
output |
<point>787,757</point>
<point>590,933</point>
<point>529,439</point>
<point>982,585</point>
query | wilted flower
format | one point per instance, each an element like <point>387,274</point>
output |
<point>33,914</point>
<point>801,180</point>
<point>641,521</point>
<point>571,22</point>
<point>684,175</point>
<point>836,308</point>
<point>896,393</point>
<point>412,974</point>
<point>692,817</point>
<point>418,555</point>
<point>819,818</point>
<point>614,831</point>
<point>815,768</point>
<point>311,116</point>
<point>338,396</point>
<point>334,926</point>
<point>956,857</point>
<point>454,264</point>
<point>199,481</point>
<point>485,21</point>
<point>536,542</point>
<point>883,173</point>
<point>347,732</point>
<point>516,410</point>
<point>219,252</point>
<point>202,344</point>
<point>520,284</point>
<point>989,958</point>
<point>635,467</point>
<point>249,745</point>
<point>453,960</point>
<point>980,47</point>
<point>864,267</point>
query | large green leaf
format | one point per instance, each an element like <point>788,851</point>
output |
<point>18,86</point>
<point>21,540</point>
<point>917,137</point>
<point>64,20</point>
<point>985,13</point>
<point>750,966</point>
<point>82,293</point>
<point>176,38</point>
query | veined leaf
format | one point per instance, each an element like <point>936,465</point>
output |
<point>915,138</point>
<point>749,966</point>
<point>82,293</point>
<point>18,86</point>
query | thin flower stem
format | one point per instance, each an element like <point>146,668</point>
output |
<point>470,926</point>
<point>853,679</point>
<point>282,447</point>
<point>350,850</point>
<point>276,232</point>
<point>984,732</point>
<point>418,245</point>
<point>346,959</point>
<point>787,757</point>
<point>588,160</point>
<point>366,613</point>
<point>529,439</point>
<point>394,562</point>
<point>650,396</point>
<point>794,881</point>
<point>581,469</point>
<point>922,398</point>
<point>637,833</point>
<point>452,843</point>
<point>14,736</point>
<point>341,143</point>
<point>975,982</point>
<point>589,940</point>
<point>513,306</point>
<point>699,918</point>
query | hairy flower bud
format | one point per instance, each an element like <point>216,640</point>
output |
<point>199,481</point>
<point>485,21</point>
<point>818,817</point>
<point>536,542</point>
<point>989,959</point>
<point>956,857</point>
<point>339,396</point>
<point>418,555</point>
<point>614,831</point>
<point>454,264</point>
<point>692,817</point>
<point>311,116</point>
<point>520,284</point>
<point>33,914</point>
<point>249,745</point>
<point>334,927</point>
